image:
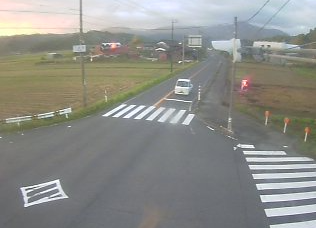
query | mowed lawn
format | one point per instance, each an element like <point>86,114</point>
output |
<point>29,86</point>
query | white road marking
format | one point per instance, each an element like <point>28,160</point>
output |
<point>283,175</point>
<point>188,119</point>
<point>166,115</point>
<point>144,113</point>
<point>282,167</point>
<point>212,129</point>
<point>278,159</point>
<point>177,117</point>
<point>114,110</point>
<point>125,110</point>
<point>287,197</point>
<point>155,114</point>
<point>185,101</point>
<point>42,193</point>
<point>129,111</point>
<point>302,188</point>
<point>286,185</point>
<point>306,224</point>
<point>136,110</point>
<point>264,153</point>
<point>296,210</point>
<point>246,146</point>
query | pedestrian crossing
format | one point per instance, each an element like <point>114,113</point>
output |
<point>151,113</point>
<point>287,187</point>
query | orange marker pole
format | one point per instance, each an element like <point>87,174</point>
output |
<point>286,122</point>
<point>307,132</point>
<point>267,114</point>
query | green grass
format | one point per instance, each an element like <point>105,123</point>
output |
<point>285,92</point>
<point>29,86</point>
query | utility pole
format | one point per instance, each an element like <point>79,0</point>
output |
<point>231,103</point>
<point>172,46</point>
<point>84,82</point>
<point>183,50</point>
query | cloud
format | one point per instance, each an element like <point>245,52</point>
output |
<point>296,17</point>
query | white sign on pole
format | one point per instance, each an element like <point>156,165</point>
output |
<point>79,48</point>
<point>195,40</point>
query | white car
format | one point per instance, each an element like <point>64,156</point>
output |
<point>183,86</point>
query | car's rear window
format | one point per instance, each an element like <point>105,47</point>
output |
<point>183,83</point>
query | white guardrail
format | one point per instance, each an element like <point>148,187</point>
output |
<point>46,115</point>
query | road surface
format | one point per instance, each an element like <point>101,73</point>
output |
<point>150,162</point>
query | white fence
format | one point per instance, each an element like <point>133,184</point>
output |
<point>46,115</point>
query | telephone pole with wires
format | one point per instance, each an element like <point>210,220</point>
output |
<point>171,48</point>
<point>84,82</point>
<point>231,103</point>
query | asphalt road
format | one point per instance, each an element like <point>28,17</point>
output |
<point>115,170</point>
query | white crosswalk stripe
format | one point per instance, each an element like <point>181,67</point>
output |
<point>288,197</point>
<point>286,185</point>
<point>166,115</point>
<point>177,117</point>
<point>114,110</point>
<point>305,224</point>
<point>156,113</point>
<point>134,112</point>
<point>278,159</point>
<point>283,175</point>
<point>144,113</point>
<point>264,153</point>
<point>125,110</point>
<point>188,119</point>
<point>151,113</point>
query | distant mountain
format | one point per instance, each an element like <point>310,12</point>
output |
<point>56,42</point>
<point>218,32</point>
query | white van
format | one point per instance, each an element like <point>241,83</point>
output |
<point>183,86</point>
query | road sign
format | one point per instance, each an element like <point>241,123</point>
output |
<point>79,48</point>
<point>195,41</point>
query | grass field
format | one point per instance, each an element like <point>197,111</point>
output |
<point>285,92</point>
<point>29,85</point>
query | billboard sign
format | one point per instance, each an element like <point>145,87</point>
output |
<point>79,48</point>
<point>195,41</point>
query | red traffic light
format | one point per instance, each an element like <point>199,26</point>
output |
<point>244,84</point>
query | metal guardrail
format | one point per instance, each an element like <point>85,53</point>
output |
<point>46,115</point>
<point>18,119</point>
<point>65,112</point>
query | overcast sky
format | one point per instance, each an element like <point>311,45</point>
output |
<point>62,16</point>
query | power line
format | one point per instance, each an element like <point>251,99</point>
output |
<point>273,16</point>
<point>35,11</point>
<point>253,16</point>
